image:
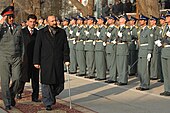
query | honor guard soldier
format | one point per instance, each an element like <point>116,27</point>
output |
<point>72,45</point>
<point>112,34</point>
<point>166,57</point>
<point>100,54</point>
<point>65,24</point>
<point>146,44</point>
<point>89,47</point>
<point>122,51</point>
<point>80,53</point>
<point>154,61</point>
<point>161,34</point>
<point>133,47</point>
<point>10,56</point>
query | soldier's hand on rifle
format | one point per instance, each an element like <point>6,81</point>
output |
<point>67,63</point>
<point>149,57</point>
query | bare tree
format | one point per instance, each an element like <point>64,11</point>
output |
<point>149,7</point>
<point>85,10</point>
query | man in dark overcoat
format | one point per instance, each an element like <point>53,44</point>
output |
<point>28,35</point>
<point>50,51</point>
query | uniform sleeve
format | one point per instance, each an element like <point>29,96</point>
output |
<point>37,48</point>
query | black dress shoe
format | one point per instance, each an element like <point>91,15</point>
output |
<point>48,108</point>
<point>166,93</point>
<point>162,81</point>
<point>19,96</point>
<point>80,75</point>
<point>90,77</point>
<point>72,72</point>
<point>99,79</point>
<point>153,78</point>
<point>13,103</point>
<point>8,107</point>
<point>36,100</point>
<point>110,81</point>
<point>142,89</point>
<point>121,84</point>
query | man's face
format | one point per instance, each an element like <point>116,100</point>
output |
<point>131,22</point>
<point>122,20</point>
<point>100,21</point>
<point>65,23</point>
<point>89,22</point>
<point>31,23</point>
<point>79,21</point>
<point>72,22</point>
<point>10,20</point>
<point>152,22</point>
<point>142,22</point>
<point>162,21</point>
<point>52,21</point>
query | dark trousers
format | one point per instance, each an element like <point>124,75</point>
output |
<point>34,84</point>
<point>49,92</point>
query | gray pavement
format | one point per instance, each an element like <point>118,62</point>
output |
<point>110,98</point>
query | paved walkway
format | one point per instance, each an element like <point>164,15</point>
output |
<point>90,96</point>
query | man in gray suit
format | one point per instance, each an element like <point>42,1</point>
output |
<point>166,57</point>
<point>122,51</point>
<point>72,45</point>
<point>80,53</point>
<point>112,34</point>
<point>133,47</point>
<point>154,62</point>
<point>100,54</point>
<point>89,47</point>
<point>146,44</point>
<point>10,56</point>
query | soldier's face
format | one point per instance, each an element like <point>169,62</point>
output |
<point>79,22</point>
<point>122,20</point>
<point>52,21</point>
<point>100,21</point>
<point>142,22</point>
<point>31,23</point>
<point>162,21</point>
<point>110,21</point>
<point>152,22</point>
<point>65,23</point>
<point>89,22</point>
<point>72,22</point>
<point>131,22</point>
<point>10,19</point>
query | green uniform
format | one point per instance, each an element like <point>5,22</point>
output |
<point>80,53</point>
<point>72,46</point>
<point>89,49</point>
<point>10,61</point>
<point>146,46</point>
<point>165,58</point>
<point>122,54</point>
<point>154,62</point>
<point>111,52</point>
<point>66,28</point>
<point>100,52</point>
<point>133,51</point>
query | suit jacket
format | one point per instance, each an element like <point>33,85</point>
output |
<point>28,68</point>
<point>50,52</point>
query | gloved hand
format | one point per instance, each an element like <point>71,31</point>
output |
<point>86,32</point>
<point>108,34</point>
<point>168,34</point>
<point>71,32</point>
<point>98,33</point>
<point>74,42</point>
<point>94,42</point>
<point>104,43</point>
<point>158,43</point>
<point>149,57</point>
<point>114,41</point>
<point>78,34</point>
<point>84,42</point>
<point>120,34</point>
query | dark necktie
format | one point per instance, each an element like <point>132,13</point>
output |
<point>10,27</point>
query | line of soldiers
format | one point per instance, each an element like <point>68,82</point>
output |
<point>108,44</point>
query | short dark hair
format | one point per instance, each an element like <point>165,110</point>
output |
<point>32,16</point>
